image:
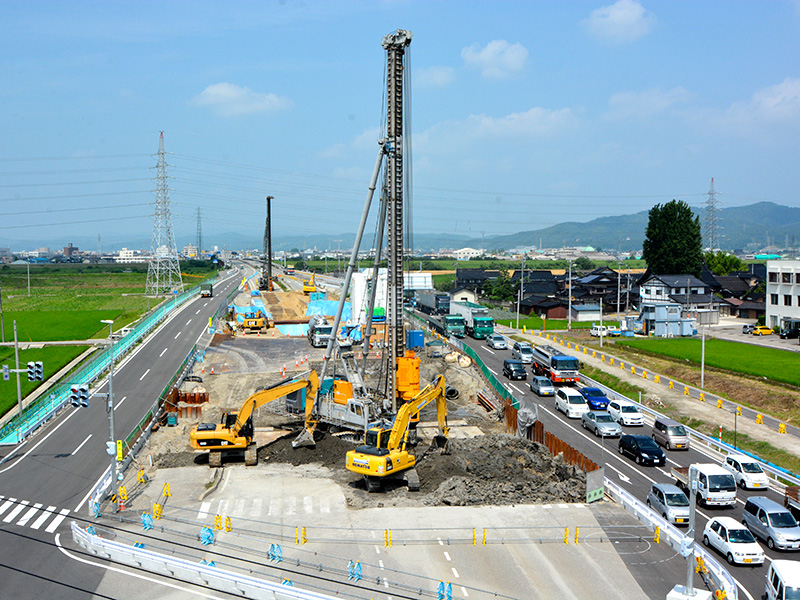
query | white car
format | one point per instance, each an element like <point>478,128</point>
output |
<point>496,341</point>
<point>734,541</point>
<point>747,472</point>
<point>571,402</point>
<point>625,413</point>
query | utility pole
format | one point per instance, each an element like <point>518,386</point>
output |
<point>16,358</point>
<point>521,284</point>
<point>601,322</point>
<point>569,298</point>
<point>28,265</point>
<point>110,410</point>
<point>628,293</point>
<point>2,324</point>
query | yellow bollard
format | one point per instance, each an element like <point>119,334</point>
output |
<point>657,535</point>
<point>672,385</point>
<point>594,354</point>
<point>524,330</point>
<point>217,522</point>
<point>701,565</point>
<point>739,411</point>
<point>611,361</point>
<point>157,508</point>
<point>123,493</point>
<point>568,345</point>
<point>633,370</point>
<point>484,536</point>
<point>759,419</point>
<point>685,391</point>
<point>719,403</point>
<point>584,350</point>
<point>602,358</point>
<point>782,428</point>
<point>305,537</point>
<point>657,378</point>
<point>561,341</point>
<point>566,535</point>
<point>474,538</point>
<point>165,490</point>
<point>140,476</point>
<point>296,537</point>
<point>644,374</point>
<point>228,524</point>
<point>703,397</point>
<point>720,595</point>
<point>576,535</point>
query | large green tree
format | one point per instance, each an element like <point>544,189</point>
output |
<point>673,242</point>
<point>722,263</point>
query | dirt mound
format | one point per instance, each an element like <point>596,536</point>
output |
<point>285,305</point>
<point>329,451</point>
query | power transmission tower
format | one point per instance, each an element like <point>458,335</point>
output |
<point>199,234</point>
<point>163,272</point>
<point>712,224</point>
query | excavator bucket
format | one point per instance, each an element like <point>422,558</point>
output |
<point>304,440</point>
<point>440,442</point>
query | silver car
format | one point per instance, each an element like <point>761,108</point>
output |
<point>542,386</point>
<point>496,341</point>
<point>601,424</point>
<point>670,502</point>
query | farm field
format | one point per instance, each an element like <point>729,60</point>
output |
<point>61,325</point>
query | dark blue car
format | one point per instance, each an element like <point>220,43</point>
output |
<point>595,398</point>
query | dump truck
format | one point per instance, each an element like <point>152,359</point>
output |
<point>477,322</point>
<point>319,331</point>
<point>206,290</point>
<point>558,367</point>
<point>448,325</point>
<point>715,485</point>
<point>433,302</point>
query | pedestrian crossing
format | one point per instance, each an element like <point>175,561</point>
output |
<point>254,508</point>
<point>22,513</point>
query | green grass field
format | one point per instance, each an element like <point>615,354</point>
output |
<point>536,323</point>
<point>59,325</point>
<point>53,357</point>
<point>758,361</point>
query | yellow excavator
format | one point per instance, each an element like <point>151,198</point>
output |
<point>309,287</point>
<point>385,450</point>
<point>234,432</point>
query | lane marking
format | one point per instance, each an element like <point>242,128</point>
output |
<point>118,404</point>
<point>377,550</point>
<point>441,543</point>
<point>493,372</point>
<point>380,564</point>
<point>144,374</point>
<point>447,556</point>
<point>15,511</point>
<point>308,504</point>
<point>464,591</point>
<point>487,349</point>
<point>57,520</point>
<point>178,335</point>
<point>74,452</point>
<point>66,553</point>
<point>515,387</point>
<point>91,489</point>
<point>163,352</point>
<point>198,311</point>
<point>622,476</point>
<point>28,515</point>
<point>43,517</point>
<point>455,573</point>
<point>6,505</point>
<point>189,321</point>
<point>203,512</point>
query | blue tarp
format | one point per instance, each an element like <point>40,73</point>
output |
<point>328,307</point>
<point>241,311</point>
<point>293,330</point>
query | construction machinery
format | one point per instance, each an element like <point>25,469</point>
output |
<point>309,286</point>
<point>234,433</point>
<point>265,281</point>
<point>385,452</point>
<point>254,322</point>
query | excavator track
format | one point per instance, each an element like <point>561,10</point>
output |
<point>215,459</point>
<point>251,455</point>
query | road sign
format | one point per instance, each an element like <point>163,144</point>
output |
<point>119,450</point>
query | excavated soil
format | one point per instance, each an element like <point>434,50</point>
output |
<point>285,305</point>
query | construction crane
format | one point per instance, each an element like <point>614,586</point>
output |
<point>265,281</point>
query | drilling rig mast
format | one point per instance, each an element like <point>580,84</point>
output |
<point>265,281</point>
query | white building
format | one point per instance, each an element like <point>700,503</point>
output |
<point>687,290</point>
<point>189,251</point>
<point>783,292</point>
<point>466,253</point>
<point>130,256</point>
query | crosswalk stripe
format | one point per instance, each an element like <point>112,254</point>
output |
<point>308,504</point>
<point>238,507</point>
<point>203,512</point>
<point>223,508</point>
<point>274,507</point>
<point>256,510</point>
<point>15,511</point>
<point>291,507</point>
<point>324,505</point>
<point>6,505</point>
<point>43,517</point>
<point>57,520</point>
<point>29,515</point>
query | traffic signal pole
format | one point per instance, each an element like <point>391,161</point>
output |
<point>110,409</point>
<point>16,357</point>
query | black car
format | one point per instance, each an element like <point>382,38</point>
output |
<point>790,334</point>
<point>642,449</point>
<point>514,369</point>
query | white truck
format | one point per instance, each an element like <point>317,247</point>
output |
<point>715,485</point>
<point>319,331</point>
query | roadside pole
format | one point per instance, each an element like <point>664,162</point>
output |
<point>16,357</point>
<point>110,409</point>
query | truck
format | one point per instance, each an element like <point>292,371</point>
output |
<point>477,322</point>
<point>319,331</point>
<point>433,302</point>
<point>558,367</point>
<point>448,325</point>
<point>206,290</point>
<point>715,485</point>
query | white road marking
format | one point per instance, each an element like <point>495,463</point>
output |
<point>28,515</point>
<point>274,507</point>
<point>447,556</point>
<point>74,452</point>
<point>255,511</point>
<point>291,507</point>
<point>308,504</point>
<point>324,505</point>
<point>177,335</point>
<point>15,511</point>
<point>622,476</point>
<point>487,349</point>
<point>163,352</point>
<point>380,564</point>
<point>455,573</point>
<point>91,489</point>
<point>238,507</point>
<point>144,374</point>
<point>385,583</point>
<point>464,591</point>
<point>118,404</point>
<point>441,543</point>
<point>493,372</point>
<point>203,512</point>
<point>377,550</point>
<point>189,321</point>
<point>7,504</point>
<point>57,520</point>
<point>515,387</point>
<point>44,516</point>
<point>198,311</point>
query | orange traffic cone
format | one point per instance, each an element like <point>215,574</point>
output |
<point>212,370</point>
<point>121,506</point>
<point>203,369</point>
<point>296,364</point>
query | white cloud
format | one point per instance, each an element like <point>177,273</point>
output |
<point>622,22</point>
<point>497,60</point>
<point>366,140</point>
<point>777,104</point>
<point>644,104</point>
<point>436,77</point>
<point>229,100</point>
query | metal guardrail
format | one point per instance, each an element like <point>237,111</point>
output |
<point>39,413</point>
<point>238,584</point>
<point>719,577</point>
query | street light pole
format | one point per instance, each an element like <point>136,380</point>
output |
<point>110,409</point>
<point>569,296</point>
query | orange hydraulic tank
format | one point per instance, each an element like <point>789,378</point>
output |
<point>407,375</point>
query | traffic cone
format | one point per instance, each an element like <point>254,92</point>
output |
<point>121,506</point>
<point>296,364</point>
<point>203,369</point>
<point>212,370</point>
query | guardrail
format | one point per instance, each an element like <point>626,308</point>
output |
<point>39,413</point>
<point>238,584</point>
<point>717,574</point>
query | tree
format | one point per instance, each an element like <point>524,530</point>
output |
<point>583,264</point>
<point>673,242</point>
<point>722,263</point>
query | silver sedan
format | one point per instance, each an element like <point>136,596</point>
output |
<point>496,341</point>
<point>601,424</point>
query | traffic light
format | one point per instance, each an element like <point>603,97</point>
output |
<point>5,372</point>
<point>111,448</point>
<point>83,395</point>
<point>74,396</point>
<point>31,371</point>
<point>38,368</point>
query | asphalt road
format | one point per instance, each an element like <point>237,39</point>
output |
<point>624,471</point>
<point>47,481</point>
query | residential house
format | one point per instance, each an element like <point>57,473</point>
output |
<point>687,290</point>
<point>783,293</point>
<point>475,278</point>
<point>463,294</point>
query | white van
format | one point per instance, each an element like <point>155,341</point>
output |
<point>783,580</point>
<point>598,330</point>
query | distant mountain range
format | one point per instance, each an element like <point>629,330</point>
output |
<point>746,228</point>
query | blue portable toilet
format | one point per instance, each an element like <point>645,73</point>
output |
<point>415,339</point>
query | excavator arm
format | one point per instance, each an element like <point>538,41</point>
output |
<point>433,391</point>
<point>278,390</point>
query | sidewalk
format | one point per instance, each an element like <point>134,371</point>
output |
<point>659,395</point>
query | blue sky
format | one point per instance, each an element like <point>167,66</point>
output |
<point>524,114</point>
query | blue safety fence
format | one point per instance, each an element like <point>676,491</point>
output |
<point>41,411</point>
